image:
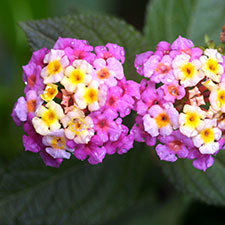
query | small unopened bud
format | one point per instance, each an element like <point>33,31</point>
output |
<point>222,35</point>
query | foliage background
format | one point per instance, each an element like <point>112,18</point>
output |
<point>156,201</point>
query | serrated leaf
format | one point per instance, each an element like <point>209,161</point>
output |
<point>97,29</point>
<point>77,193</point>
<point>166,19</point>
<point>207,186</point>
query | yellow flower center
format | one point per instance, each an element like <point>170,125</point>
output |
<point>192,119</point>
<point>221,97</point>
<point>162,120</point>
<point>50,92</point>
<point>49,117</point>
<point>91,95</point>
<point>188,70</point>
<point>212,65</point>
<point>54,67</point>
<point>207,135</point>
<point>58,143</point>
<point>77,76</point>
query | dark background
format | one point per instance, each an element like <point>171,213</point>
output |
<point>14,52</point>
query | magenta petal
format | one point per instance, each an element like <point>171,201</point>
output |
<point>80,153</point>
<point>96,155</point>
<point>50,161</point>
<point>182,43</point>
<point>165,153</point>
<point>204,162</point>
<point>30,144</point>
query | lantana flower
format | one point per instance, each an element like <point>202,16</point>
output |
<point>93,96</point>
<point>79,73</point>
<point>191,120</point>
<point>110,50</point>
<point>207,139</point>
<point>76,97</point>
<point>191,82</point>
<point>105,125</point>
<point>159,69</point>
<point>48,118</point>
<point>212,67</point>
<point>25,108</point>
<point>188,72</point>
<point>108,71</point>
<point>78,127</point>
<point>56,61</point>
<point>50,92</point>
<point>161,120</point>
<point>174,146</point>
<point>56,145</point>
<point>173,91</point>
<point>217,97</point>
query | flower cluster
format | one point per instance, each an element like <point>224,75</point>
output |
<point>75,99</point>
<point>182,102</point>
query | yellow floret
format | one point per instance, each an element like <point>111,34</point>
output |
<point>188,70</point>
<point>212,65</point>
<point>207,135</point>
<point>91,95</point>
<point>54,67</point>
<point>50,92</point>
<point>162,120</point>
<point>192,119</point>
<point>77,76</point>
<point>49,117</point>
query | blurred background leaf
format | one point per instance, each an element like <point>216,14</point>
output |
<point>127,189</point>
<point>165,20</point>
<point>79,193</point>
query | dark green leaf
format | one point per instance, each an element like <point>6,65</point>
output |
<point>77,193</point>
<point>166,19</point>
<point>97,29</point>
<point>170,213</point>
<point>208,186</point>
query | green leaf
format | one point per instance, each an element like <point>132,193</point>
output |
<point>168,212</point>
<point>76,193</point>
<point>97,29</point>
<point>207,186</point>
<point>166,19</point>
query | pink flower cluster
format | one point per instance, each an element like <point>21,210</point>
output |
<point>76,97</point>
<point>182,102</point>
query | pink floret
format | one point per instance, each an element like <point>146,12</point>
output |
<point>173,146</point>
<point>105,125</point>
<point>110,50</point>
<point>140,135</point>
<point>140,60</point>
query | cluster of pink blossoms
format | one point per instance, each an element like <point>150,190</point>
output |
<point>76,97</point>
<point>182,102</point>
